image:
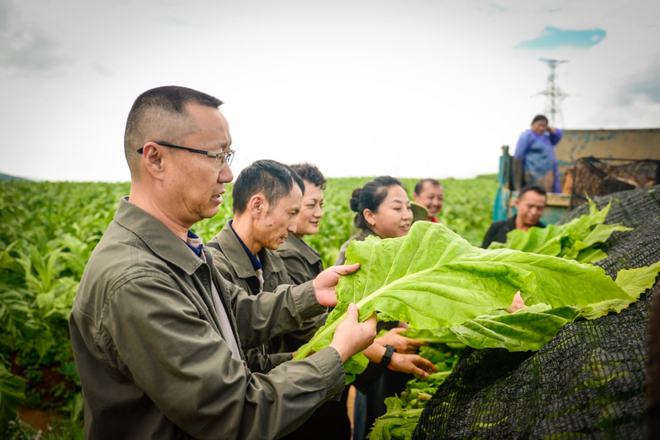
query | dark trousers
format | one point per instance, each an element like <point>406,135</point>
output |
<point>329,421</point>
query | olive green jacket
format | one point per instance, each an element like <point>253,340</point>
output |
<point>235,266</point>
<point>301,261</point>
<point>152,359</point>
<point>361,235</point>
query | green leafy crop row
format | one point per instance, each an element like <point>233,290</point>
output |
<point>47,233</point>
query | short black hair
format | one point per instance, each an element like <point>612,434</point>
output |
<point>534,188</point>
<point>149,110</point>
<point>540,118</point>
<point>274,179</point>
<point>419,186</point>
<point>370,197</point>
<point>309,173</point>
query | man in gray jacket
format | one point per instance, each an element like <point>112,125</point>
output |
<point>266,201</point>
<point>154,328</point>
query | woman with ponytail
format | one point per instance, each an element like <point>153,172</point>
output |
<point>382,208</point>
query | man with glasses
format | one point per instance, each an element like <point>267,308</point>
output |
<point>155,330</point>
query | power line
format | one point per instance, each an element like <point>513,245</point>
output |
<point>554,95</point>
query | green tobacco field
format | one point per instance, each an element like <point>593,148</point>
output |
<point>48,231</point>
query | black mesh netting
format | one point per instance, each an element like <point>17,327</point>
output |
<point>588,381</point>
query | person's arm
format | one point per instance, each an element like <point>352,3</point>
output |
<point>522,146</point>
<point>401,362</point>
<point>293,340</point>
<point>155,335</point>
<point>259,362</point>
<point>555,135</point>
<point>261,317</point>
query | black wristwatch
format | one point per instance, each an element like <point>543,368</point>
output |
<point>387,357</point>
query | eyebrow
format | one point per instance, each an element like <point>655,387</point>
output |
<point>222,145</point>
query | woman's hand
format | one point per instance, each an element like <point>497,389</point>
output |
<point>411,364</point>
<point>400,343</point>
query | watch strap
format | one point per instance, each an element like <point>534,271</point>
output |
<point>387,357</point>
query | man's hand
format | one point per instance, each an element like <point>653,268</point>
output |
<point>400,343</point>
<point>411,364</point>
<point>325,282</point>
<point>352,336</point>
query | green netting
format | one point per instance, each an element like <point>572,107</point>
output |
<point>588,382</point>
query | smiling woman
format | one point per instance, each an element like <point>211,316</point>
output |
<point>303,263</point>
<point>383,209</point>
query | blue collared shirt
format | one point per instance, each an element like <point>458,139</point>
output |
<point>194,243</point>
<point>256,264</point>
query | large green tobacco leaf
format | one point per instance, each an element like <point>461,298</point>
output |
<point>578,240</point>
<point>451,292</point>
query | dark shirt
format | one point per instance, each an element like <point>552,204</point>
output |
<point>256,263</point>
<point>498,230</point>
<point>194,243</point>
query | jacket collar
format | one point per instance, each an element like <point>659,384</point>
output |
<point>157,236</point>
<point>231,246</point>
<point>309,254</point>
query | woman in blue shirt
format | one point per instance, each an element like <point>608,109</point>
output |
<point>536,151</point>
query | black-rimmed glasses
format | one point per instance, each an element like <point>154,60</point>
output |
<point>221,157</point>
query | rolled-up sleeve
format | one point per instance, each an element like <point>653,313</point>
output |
<point>154,334</point>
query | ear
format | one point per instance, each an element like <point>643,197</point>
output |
<point>257,205</point>
<point>152,160</point>
<point>369,216</point>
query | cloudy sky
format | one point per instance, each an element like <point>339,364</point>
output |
<point>409,88</point>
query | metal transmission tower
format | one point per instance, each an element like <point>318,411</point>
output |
<point>554,95</point>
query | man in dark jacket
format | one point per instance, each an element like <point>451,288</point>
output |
<point>266,201</point>
<point>529,206</point>
<point>154,327</point>
<point>267,196</point>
